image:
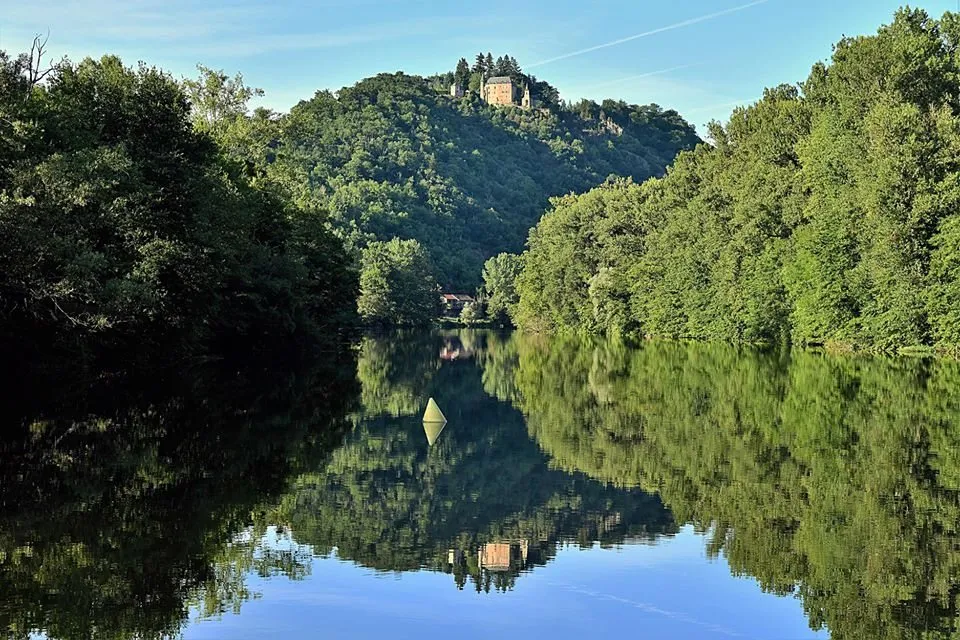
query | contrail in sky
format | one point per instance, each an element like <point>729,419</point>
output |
<point>678,25</point>
<point>658,72</point>
<point>734,103</point>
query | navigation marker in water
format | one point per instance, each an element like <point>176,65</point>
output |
<point>433,421</point>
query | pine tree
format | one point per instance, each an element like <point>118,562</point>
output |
<point>480,64</point>
<point>462,74</point>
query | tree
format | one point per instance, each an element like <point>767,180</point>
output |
<point>480,64</point>
<point>470,314</point>
<point>217,99</point>
<point>462,74</point>
<point>499,283</point>
<point>397,285</point>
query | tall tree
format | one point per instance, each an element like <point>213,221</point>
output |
<point>397,284</point>
<point>120,221</point>
<point>216,98</point>
<point>499,285</point>
<point>462,74</point>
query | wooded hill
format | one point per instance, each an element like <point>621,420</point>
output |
<point>396,157</point>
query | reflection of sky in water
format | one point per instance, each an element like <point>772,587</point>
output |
<point>663,590</point>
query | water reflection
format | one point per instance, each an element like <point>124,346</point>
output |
<point>125,505</point>
<point>831,478</point>
<point>391,500</point>
<point>125,501</point>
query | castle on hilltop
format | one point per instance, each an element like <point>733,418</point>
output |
<point>499,91</point>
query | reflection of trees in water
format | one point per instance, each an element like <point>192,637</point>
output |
<point>118,497</point>
<point>833,478</point>
<point>390,501</point>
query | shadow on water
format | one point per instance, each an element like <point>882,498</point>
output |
<point>126,502</point>
<point>119,493</point>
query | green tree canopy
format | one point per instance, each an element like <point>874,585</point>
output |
<point>397,284</point>
<point>119,219</point>
<point>499,285</point>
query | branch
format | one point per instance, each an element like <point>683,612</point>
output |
<point>37,50</point>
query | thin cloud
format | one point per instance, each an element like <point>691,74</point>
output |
<point>722,105</point>
<point>259,44</point>
<point>639,76</point>
<point>678,25</point>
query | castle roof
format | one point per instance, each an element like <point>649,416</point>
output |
<point>500,80</point>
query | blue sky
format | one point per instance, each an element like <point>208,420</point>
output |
<point>700,57</point>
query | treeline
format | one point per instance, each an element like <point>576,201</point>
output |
<point>132,204</point>
<point>834,479</point>
<point>122,222</point>
<point>823,213</point>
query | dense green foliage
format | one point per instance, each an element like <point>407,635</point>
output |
<point>394,157</point>
<point>119,219</point>
<point>500,275</point>
<point>836,479</point>
<point>396,284</point>
<point>826,213</point>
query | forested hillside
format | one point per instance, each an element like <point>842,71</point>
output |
<point>394,157</point>
<point>826,212</point>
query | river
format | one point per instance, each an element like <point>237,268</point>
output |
<point>578,488</point>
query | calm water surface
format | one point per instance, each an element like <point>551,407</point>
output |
<point>578,488</point>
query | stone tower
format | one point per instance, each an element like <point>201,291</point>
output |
<point>527,101</point>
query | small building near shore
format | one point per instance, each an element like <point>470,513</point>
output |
<point>453,303</point>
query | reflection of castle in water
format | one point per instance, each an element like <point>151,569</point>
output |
<point>499,562</point>
<point>495,564</point>
<point>503,556</point>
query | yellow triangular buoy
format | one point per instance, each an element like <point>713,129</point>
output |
<point>433,430</point>
<point>433,413</point>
